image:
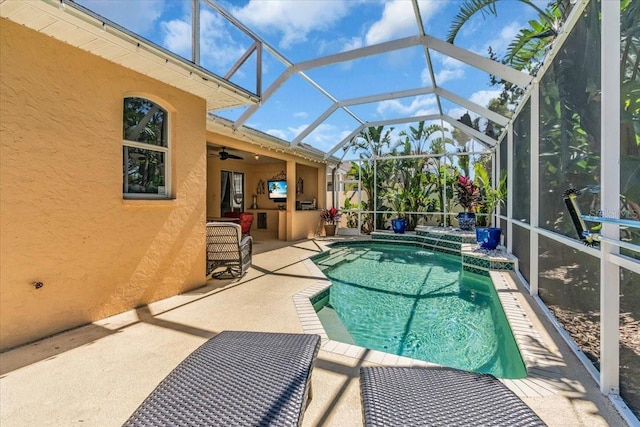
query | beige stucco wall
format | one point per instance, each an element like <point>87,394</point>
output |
<point>63,218</point>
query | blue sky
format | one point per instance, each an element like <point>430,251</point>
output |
<point>305,29</point>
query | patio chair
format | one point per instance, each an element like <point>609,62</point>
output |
<point>421,396</point>
<point>227,248</point>
<point>236,378</point>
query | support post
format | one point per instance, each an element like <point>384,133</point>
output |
<point>510,187</point>
<point>195,32</point>
<point>610,197</point>
<point>534,206</point>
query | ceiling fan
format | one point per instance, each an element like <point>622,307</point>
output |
<point>225,155</point>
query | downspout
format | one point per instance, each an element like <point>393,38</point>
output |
<point>334,198</point>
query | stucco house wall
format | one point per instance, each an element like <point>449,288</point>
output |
<point>63,219</point>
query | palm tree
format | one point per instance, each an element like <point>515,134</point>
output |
<point>527,50</point>
<point>413,177</point>
<point>370,144</point>
<point>461,140</point>
<point>551,19</point>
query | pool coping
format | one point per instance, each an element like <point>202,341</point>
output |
<point>543,367</point>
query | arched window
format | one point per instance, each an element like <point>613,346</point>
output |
<point>145,151</point>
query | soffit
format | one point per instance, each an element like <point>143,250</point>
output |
<point>79,27</point>
<point>222,126</point>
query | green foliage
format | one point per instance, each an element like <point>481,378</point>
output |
<point>467,193</point>
<point>398,202</point>
<point>413,185</point>
<point>490,197</point>
<point>406,185</point>
<point>352,217</point>
<point>486,7</point>
<point>371,143</point>
<point>526,52</point>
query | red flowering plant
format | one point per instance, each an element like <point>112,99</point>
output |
<point>330,216</point>
<point>467,193</point>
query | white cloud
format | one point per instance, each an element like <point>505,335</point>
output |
<point>277,133</point>
<point>295,131</point>
<point>505,37</point>
<point>398,20</point>
<point>451,69</point>
<point>395,106</point>
<point>446,75</point>
<point>391,105</point>
<point>483,97</point>
<point>351,44</point>
<point>177,36</point>
<point>425,77</point>
<point>426,111</point>
<point>471,27</point>
<point>137,16</point>
<point>450,62</point>
<point>301,114</point>
<point>218,49</point>
<point>457,112</point>
<point>293,18</point>
<point>325,136</point>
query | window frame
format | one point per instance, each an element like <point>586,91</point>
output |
<point>165,150</point>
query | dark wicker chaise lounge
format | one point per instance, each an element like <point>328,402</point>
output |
<point>398,396</point>
<point>236,379</point>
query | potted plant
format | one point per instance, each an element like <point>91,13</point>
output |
<point>398,204</point>
<point>467,194</point>
<point>490,198</point>
<point>330,217</point>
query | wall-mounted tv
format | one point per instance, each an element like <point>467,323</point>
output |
<point>277,189</point>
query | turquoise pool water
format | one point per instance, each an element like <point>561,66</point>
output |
<point>413,302</point>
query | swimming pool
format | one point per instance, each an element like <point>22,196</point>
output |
<point>416,303</point>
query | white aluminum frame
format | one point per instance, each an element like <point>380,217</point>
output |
<point>534,206</point>
<point>610,196</point>
<point>608,254</point>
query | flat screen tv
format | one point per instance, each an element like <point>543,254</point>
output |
<point>277,190</point>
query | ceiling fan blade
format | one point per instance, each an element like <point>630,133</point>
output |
<point>224,155</point>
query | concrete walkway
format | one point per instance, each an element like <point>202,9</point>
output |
<point>97,375</point>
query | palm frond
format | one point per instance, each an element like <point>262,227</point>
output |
<point>486,7</point>
<point>524,50</point>
<point>467,10</point>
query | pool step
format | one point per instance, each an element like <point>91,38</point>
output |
<point>333,325</point>
<point>453,242</point>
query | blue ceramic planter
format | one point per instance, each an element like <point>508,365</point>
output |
<point>488,237</point>
<point>399,225</point>
<point>466,220</point>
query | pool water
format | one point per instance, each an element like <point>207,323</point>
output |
<point>416,303</point>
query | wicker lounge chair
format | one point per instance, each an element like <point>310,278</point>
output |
<point>399,396</point>
<point>236,379</point>
<point>227,248</point>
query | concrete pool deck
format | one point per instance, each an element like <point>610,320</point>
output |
<point>97,375</point>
